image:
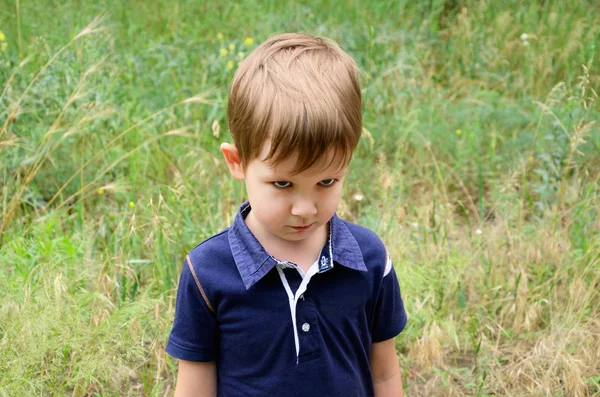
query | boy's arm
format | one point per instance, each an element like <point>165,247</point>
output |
<point>385,370</point>
<point>196,379</point>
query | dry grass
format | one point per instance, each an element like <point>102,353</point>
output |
<point>529,321</point>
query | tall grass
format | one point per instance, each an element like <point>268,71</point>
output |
<point>479,168</point>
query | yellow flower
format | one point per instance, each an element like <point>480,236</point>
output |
<point>241,55</point>
<point>131,204</point>
<point>220,36</point>
<point>249,41</point>
<point>458,132</point>
<point>231,47</point>
<point>2,36</point>
<point>3,47</point>
<point>223,52</point>
<point>100,191</point>
<point>229,65</point>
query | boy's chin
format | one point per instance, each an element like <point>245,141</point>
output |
<point>294,235</point>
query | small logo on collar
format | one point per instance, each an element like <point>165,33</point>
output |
<point>324,261</point>
<point>325,264</point>
<point>326,256</point>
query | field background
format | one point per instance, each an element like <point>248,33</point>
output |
<point>479,169</point>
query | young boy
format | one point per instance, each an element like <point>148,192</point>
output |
<point>290,300</point>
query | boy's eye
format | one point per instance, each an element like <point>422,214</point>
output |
<point>327,182</point>
<point>282,184</point>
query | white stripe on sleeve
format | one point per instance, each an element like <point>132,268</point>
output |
<point>388,266</point>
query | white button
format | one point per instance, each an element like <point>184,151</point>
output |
<point>306,327</point>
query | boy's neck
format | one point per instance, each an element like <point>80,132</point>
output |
<point>303,253</point>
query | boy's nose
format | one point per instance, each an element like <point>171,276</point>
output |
<point>304,208</point>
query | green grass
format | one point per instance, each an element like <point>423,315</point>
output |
<point>480,170</point>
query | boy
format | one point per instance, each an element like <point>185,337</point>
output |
<point>290,300</point>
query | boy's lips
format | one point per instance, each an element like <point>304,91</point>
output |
<point>300,228</point>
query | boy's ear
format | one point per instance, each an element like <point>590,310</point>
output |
<point>233,161</point>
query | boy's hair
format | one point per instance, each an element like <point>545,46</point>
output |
<point>301,93</point>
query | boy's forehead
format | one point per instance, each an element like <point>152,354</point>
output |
<point>331,161</point>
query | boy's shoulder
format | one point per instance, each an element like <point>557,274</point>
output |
<point>362,234</point>
<point>212,262</point>
<point>374,252</point>
<point>215,247</point>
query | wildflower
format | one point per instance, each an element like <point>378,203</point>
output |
<point>525,43</point>
<point>131,204</point>
<point>249,41</point>
<point>216,129</point>
<point>100,191</point>
<point>478,231</point>
<point>231,47</point>
<point>524,37</point>
<point>415,225</point>
<point>223,52</point>
<point>241,55</point>
<point>229,65</point>
<point>220,36</point>
<point>458,132</point>
<point>172,197</point>
<point>3,44</point>
<point>358,197</point>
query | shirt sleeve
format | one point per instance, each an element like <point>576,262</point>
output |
<point>194,335</point>
<point>390,316</point>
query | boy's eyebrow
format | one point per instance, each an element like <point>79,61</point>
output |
<point>277,175</point>
<point>338,171</point>
<point>281,177</point>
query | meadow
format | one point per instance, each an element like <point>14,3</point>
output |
<point>479,167</point>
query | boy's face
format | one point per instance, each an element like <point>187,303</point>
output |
<point>286,206</point>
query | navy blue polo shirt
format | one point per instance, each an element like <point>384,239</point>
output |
<point>273,329</point>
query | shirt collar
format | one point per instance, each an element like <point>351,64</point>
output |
<point>253,261</point>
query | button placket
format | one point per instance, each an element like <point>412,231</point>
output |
<point>308,331</point>
<point>294,298</point>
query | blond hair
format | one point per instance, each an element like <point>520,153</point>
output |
<point>301,92</point>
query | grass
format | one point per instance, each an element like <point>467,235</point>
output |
<point>479,169</point>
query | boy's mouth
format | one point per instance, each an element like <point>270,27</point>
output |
<point>301,228</point>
